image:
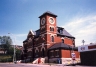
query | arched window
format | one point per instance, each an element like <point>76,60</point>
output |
<point>36,53</point>
<point>43,53</point>
<point>51,29</point>
<point>52,38</point>
<point>62,40</point>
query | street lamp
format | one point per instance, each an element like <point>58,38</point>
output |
<point>83,42</point>
<point>14,55</point>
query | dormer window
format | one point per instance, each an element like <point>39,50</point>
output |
<point>61,31</point>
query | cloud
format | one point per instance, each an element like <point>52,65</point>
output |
<point>82,28</point>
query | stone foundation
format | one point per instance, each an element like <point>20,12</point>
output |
<point>64,60</point>
<point>70,61</point>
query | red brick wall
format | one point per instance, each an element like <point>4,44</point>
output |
<point>65,54</point>
<point>68,41</point>
<point>58,39</point>
<point>48,25</point>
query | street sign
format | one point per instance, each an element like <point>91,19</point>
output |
<point>73,56</point>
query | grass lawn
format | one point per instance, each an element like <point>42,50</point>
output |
<point>5,58</point>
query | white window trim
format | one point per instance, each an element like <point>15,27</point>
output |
<point>36,49</point>
<point>51,26</point>
<point>52,51</point>
<point>52,35</point>
<point>62,37</point>
<point>56,50</point>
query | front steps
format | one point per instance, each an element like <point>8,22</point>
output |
<point>39,61</point>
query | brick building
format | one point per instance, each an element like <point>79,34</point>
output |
<point>50,42</point>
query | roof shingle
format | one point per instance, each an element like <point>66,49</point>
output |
<point>64,32</point>
<point>62,45</point>
<point>48,12</point>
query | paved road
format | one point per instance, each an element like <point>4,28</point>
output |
<point>34,65</point>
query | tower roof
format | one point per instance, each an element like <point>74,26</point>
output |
<point>48,12</point>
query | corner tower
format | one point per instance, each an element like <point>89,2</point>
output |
<point>48,27</point>
<point>47,21</point>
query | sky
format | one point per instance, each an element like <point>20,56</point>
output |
<point>78,17</point>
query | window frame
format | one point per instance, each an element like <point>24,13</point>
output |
<point>52,29</point>
<point>52,38</point>
<point>62,40</point>
<point>51,53</point>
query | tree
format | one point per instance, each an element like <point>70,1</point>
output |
<point>18,54</point>
<point>5,42</point>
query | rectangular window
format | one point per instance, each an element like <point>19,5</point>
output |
<point>57,53</point>
<point>62,40</point>
<point>36,53</point>
<point>52,53</point>
<point>73,42</point>
<point>52,38</point>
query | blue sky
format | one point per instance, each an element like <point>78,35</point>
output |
<point>78,17</point>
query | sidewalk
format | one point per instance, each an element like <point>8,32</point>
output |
<point>50,64</point>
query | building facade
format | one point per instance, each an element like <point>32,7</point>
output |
<point>88,54</point>
<point>49,42</point>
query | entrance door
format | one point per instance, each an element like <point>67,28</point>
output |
<point>43,53</point>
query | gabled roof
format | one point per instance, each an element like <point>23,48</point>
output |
<point>37,32</point>
<point>48,12</point>
<point>31,32</point>
<point>25,41</point>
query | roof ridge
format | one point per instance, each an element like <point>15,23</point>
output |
<point>48,12</point>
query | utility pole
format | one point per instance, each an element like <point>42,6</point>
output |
<point>14,55</point>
